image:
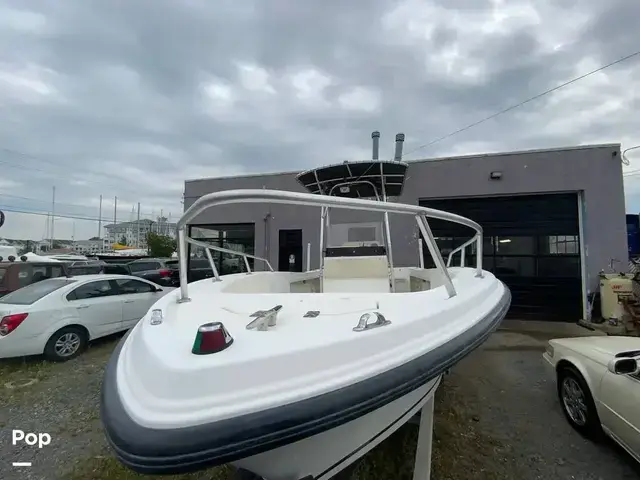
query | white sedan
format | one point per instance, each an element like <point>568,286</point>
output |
<point>598,383</point>
<point>57,317</point>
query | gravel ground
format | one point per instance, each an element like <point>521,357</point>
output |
<point>497,417</point>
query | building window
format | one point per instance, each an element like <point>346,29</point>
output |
<point>237,237</point>
<point>548,256</point>
<point>515,245</point>
<point>560,245</point>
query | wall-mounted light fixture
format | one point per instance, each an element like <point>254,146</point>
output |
<point>495,175</point>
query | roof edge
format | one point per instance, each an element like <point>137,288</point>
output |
<point>422,160</point>
<point>517,152</point>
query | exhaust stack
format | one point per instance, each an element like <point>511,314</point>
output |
<point>375,136</point>
<point>399,142</point>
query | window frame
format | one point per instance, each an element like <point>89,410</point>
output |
<point>492,256</point>
<point>75,295</point>
<point>152,289</point>
<point>229,236</point>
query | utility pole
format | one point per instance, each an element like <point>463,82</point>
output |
<point>161,228</point>
<point>138,228</point>
<point>100,226</point>
<point>53,213</point>
<point>115,209</point>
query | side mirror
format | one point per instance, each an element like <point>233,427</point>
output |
<point>623,366</point>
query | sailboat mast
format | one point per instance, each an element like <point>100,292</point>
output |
<point>53,213</point>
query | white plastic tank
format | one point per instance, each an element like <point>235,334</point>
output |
<point>614,286</point>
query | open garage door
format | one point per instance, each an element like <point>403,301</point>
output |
<point>531,242</point>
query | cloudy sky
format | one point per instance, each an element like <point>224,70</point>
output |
<point>129,98</point>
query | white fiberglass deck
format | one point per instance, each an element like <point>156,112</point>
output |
<point>164,385</point>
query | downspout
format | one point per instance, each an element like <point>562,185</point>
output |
<point>267,233</point>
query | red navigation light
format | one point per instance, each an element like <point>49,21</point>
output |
<point>211,338</point>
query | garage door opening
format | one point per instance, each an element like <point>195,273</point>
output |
<point>531,242</point>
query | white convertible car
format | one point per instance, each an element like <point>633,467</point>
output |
<point>598,381</point>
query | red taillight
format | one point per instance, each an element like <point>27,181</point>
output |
<point>9,323</point>
<point>164,273</point>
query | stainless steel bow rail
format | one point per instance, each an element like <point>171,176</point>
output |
<point>462,249</point>
<point>324,202</point>
<point>208,248</point>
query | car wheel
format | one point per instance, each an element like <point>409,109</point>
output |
<point>577,403</point>
<point>65,344</point>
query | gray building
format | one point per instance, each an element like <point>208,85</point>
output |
<point>552,220</point>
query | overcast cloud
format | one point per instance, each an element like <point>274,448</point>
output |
<point>130,98</point>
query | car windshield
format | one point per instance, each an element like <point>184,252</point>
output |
<point>34,292</point>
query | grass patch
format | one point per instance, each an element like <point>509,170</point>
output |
<point>108,468</point>
<point>22,375</point>
<point>16,371</point>
<point>461,451</point>
<point>393,459</point>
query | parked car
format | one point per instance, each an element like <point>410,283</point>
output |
<point>598,384</point>
<point>116,269</point>
<point>84,269</point>
<point>103,267</point>
<point>18,274</point>
<point>59,316</point>
<point>199,269</point>
<point>80,263</point>
<point>153,269</point>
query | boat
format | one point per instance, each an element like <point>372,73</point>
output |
<point>66,257</point>
<point>296,375</point>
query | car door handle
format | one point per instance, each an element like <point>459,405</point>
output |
<point>128,301</point>
<point>82,306</point>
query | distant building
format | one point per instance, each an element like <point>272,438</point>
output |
<point>135,233</point>
<point>92,247</point>
<point>45,245</point>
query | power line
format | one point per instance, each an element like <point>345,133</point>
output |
<point>58,175</point>
<point>48,202</point>
<point>12,209</point>
<point>49,172</point>
<point>540,95</point>
<point>625,160</point>
<point>16,209</point>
